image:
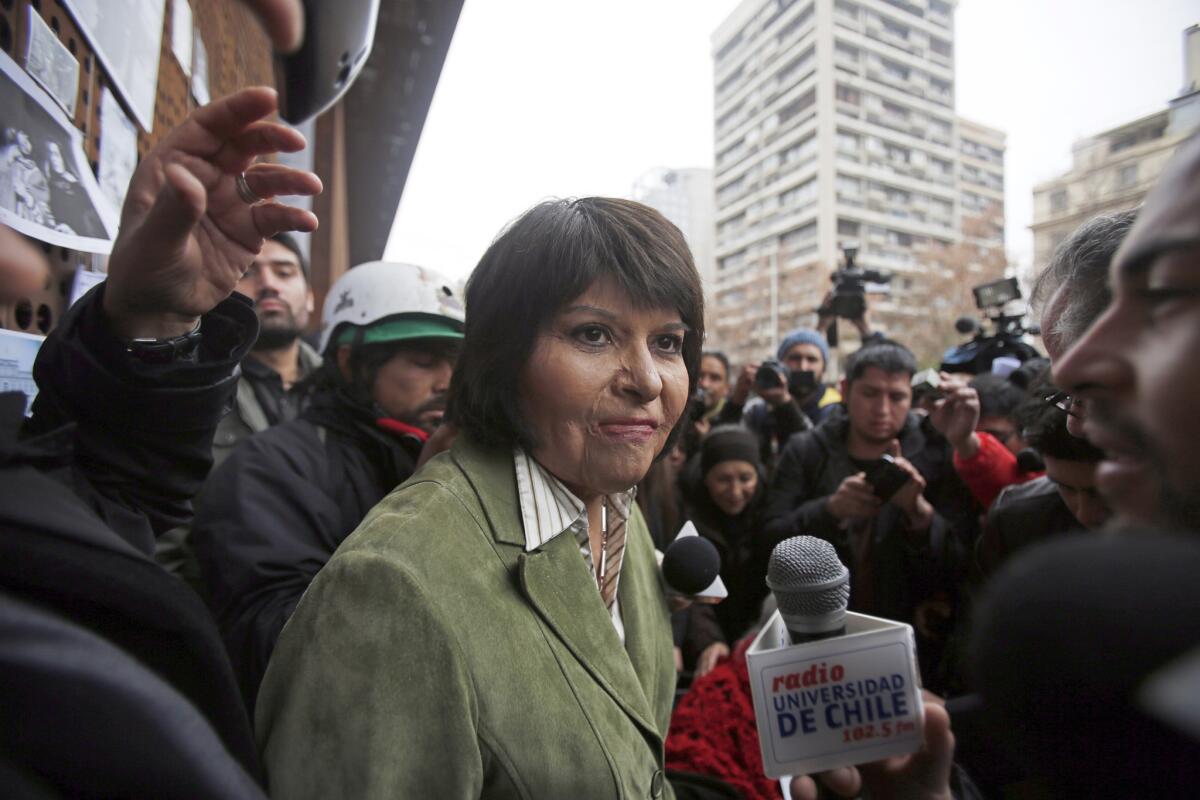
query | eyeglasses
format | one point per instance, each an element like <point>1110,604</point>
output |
<point>1063,401</point>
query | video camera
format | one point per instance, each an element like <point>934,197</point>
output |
<point>1008,331</point>
<point>849,300</point>
<point>850,285</point>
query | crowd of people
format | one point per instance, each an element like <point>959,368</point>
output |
<point>417,556</point>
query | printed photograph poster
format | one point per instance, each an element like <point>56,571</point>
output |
<point>181,34</point>
<point>47,189</point>
<point>126,36</point>
<point>51,64</point>
<point>118,149</point>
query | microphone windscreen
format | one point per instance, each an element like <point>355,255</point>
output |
<point>1066,636</point>
<point>691,564</point>
<point>810,584</point>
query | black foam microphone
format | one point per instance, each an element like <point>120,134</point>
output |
<point>691,564</point>
<point>1073,639</point>
<point>811,587</point>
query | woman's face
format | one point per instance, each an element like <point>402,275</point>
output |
<point>731,485</point>
<point>603,388</point>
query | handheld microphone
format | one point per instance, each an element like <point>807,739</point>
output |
<point>811,587</point>
<point>690,564</point>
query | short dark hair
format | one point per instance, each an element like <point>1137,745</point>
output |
<point>719,356</point>
<point>891,357</point>
<point>1082,261</point>
<point>290,242</point>
<point>998,396</point>
<point>549,256</point>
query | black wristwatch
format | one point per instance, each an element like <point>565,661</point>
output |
<point>167,351</point>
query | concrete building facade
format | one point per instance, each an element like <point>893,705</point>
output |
<point>1114,170</point>
<point>835,123</point>
<point>685,197</point>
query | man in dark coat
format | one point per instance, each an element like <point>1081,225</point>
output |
<point>132,384</point>
<point>906,552</point>
<point>275,511</point>
<point>1063,501</point>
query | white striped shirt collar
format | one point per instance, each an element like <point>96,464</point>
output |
<point>549,508</point>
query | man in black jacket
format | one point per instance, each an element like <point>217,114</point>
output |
<point>1063,501</point>
<point>904,551</point>
<point>275,511</point>
<point>132,384</point>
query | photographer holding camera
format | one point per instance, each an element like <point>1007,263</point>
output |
<point>791,397</point>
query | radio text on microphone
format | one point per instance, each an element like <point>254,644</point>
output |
<point>819,698</point>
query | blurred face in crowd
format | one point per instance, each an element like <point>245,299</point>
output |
<point>1076,484</point>
<point>282,298</point>
<point>714,380</point>
<point>603,388</point>
<point>1005,431</point>
<point>731,485</point>
<point>411,386</point>
<point>1135,365</point>
<point>877,403</point>
<point>801,357</point>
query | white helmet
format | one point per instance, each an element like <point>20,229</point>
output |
<point>420,300</point>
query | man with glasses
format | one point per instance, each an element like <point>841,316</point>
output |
<point>1072,292</point>
<point>1133,367</point>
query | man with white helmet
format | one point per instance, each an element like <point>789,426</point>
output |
<point>277,509</point>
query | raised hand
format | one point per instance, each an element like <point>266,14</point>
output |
<point>854,499</point>
<point>923,775</point>
<point>957,414</point>
<point>186,234</point>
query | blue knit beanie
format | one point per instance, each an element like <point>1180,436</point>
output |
<point>804,336</point>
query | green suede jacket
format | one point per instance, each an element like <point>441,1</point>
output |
<point>434,657</point>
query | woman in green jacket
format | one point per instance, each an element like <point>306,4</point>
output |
<point>496,627</point>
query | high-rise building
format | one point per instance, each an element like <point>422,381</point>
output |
<point>685,197</point>
<point>1113,170</point>
<point>835,123</point>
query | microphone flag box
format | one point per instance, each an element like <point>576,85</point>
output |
<point>834,702</point>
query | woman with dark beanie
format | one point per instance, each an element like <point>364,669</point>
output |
<point>724,492</point>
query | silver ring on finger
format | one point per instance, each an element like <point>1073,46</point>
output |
<point>245,192</point>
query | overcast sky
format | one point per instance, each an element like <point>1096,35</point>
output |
<point>556,98</point>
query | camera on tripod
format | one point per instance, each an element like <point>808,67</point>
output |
<point>1008,331</point>
<point>850,287</point>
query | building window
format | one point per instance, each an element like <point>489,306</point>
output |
<point>1127,176</point>
<point>941,47</point>
<point>849,10</point>
<point>1058,200</point>
<point>894,28</point>
<point>800,195</point>
<point>796,106</point>
<point>848,94</point>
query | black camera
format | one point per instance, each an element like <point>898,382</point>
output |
<point>997,293</point>
<point>772,374</point>
<point>1008,334</point>
<point>850,285</point>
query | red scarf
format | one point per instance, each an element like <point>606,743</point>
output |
<point>398,428</point>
